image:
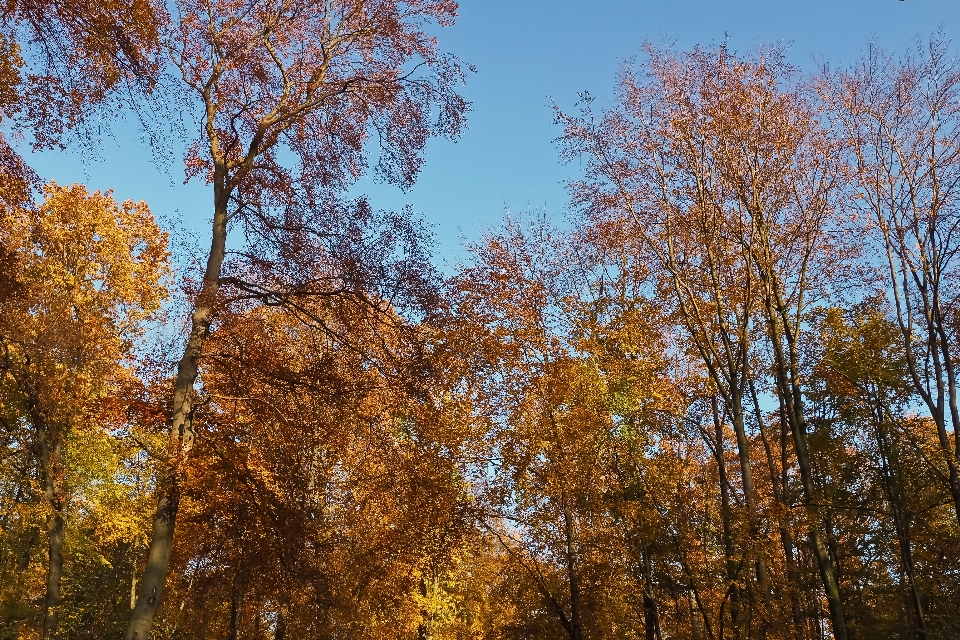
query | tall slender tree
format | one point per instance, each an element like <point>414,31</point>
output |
<point>307,81</point>
<point>726,148</point>
<point>902,122</point>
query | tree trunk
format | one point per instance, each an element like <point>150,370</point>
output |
<point>731,385</point>
<point>906,556</point>
<point>569,522</point>
<point>893,488</point>
<point>725,514</point>
<point>786,536</point>
<point>133,588</point>
<point>48,450</point>
<point>936,340</point>
<point>651,617</point>
<point>281,630</point>
<point>181,423</point>
<point>423,631</point>
<point>54,572</point>
<point>754,549</point>
<point>790,397</point>
<point>949,368</point>
<point>236,602</point>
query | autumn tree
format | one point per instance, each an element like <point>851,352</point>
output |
<point>507,310</point>
<point>704,271</point>
<point>727,149</point>
<point>278,80</point>
<point>863,423</point>
<point>327,458</point>
<point>76,53</point>
<point>91,272</point>
<point>547,331</point>
<point>61,64</point>
<point>333,491</point>
<point>902,124</point>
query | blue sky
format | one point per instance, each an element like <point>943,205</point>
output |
<point>530,53</point>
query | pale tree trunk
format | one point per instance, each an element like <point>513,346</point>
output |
<point>754,546</point>
<point>181,424</point>
<point>51,601</point>
<point>133,588</point>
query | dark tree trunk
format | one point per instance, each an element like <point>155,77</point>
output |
<point>48,450</point>
<point>236,603</point>
<point>281,630</point>
<point>423,631</point>
<point>726,513</point>
<point>651,617</point>
<point>570,525</point>
<point>790,395</point>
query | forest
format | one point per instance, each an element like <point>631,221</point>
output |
<point>717,400</point>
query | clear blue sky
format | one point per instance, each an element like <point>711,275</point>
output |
<point>529,53</point>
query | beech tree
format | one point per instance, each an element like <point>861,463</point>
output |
<point>333,485</point>
<point>903,127</point>
<point>278,79</point>
<point>60,63</point>
<point>722,149</point>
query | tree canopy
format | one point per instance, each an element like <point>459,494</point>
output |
<point>718,401</point>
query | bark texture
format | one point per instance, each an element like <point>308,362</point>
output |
<point>181,425</point>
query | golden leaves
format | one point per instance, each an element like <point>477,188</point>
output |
<point>91,271</point>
